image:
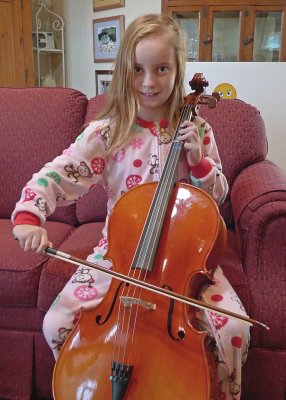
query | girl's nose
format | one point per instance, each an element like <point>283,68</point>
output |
<point>149,79</point>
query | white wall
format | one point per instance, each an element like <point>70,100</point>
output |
<point>260,84</point>
<point>78,17</point>
<point>263,85</point>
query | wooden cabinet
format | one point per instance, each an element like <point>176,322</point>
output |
<point>16,51</point>
<point>232,30</point>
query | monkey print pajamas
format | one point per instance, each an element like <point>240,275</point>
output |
<point>85,164</point>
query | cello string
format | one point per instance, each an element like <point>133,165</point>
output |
<point>165,184</point>
<point>120,334</point>
<point>118,337</point>
<point>142,258</point>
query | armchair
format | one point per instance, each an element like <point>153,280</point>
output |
<point>254,211</point>
<point>254,260</point>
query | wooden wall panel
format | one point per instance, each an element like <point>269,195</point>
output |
<point>16,52</point>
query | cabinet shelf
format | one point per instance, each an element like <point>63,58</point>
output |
<point>49,51</point>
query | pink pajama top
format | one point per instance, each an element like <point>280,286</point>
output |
<point>86,163</point>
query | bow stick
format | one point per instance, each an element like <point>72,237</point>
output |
<point>155,289</point>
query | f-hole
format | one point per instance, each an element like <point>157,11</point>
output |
<point>99,316</point>
<point>180,334</point>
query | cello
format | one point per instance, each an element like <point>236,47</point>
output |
<point>139,342</point>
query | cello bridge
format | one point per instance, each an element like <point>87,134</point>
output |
<point>129,301</point>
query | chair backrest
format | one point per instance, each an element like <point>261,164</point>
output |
<point>92,207</point>
<point>241,140</point>
<point>36,124</point>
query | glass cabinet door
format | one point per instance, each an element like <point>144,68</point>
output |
<point>243,31</point>
<point>193,23</point>
<point>190,23</point>
<point>267,36</point>
<point>225,24</point>
<point>213,32</point>
<point>226,36</point>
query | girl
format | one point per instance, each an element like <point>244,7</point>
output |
<point>125,146</point>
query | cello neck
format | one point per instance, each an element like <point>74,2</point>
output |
<point>148,243</point>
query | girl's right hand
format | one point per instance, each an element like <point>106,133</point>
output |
<point>32,237</point>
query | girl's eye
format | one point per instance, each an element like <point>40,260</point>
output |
<point>163,69</point>
<point>137,70</point>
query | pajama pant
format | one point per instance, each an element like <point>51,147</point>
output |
<point>87,287</point>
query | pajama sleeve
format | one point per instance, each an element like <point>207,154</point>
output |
<point>208,175</point>
<point>68,177</point>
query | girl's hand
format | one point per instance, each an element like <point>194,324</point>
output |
<point>32,237</point>
<point>190,135</point>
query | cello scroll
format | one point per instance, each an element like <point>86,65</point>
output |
<point>199,97</point>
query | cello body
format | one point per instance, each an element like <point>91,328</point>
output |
<point>135,344</point>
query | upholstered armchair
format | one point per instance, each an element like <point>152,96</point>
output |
<point>36,124</point>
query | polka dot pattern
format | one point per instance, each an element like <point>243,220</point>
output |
<point>206,140</point>
<point>236,341</point>
<point>137,163</point>
<point>217,297</point>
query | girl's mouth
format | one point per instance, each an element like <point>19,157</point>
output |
<point>148,94</point>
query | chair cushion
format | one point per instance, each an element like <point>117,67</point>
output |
<point>232,267</point>
<point>55,274</point>
<point>20,271</point>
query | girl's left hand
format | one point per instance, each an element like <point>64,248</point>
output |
<point>190,135</point>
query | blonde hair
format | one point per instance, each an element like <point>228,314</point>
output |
<point>121,103</point>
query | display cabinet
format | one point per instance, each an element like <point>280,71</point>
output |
<point>232,30</point>
<point>49,46</point>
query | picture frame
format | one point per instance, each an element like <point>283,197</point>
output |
<point>103,79</point>
<point>45,40</point>
<point>100,5</point>
<point>107,34</point>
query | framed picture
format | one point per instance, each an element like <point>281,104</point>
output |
<point>99,5</point>
<point>102,81</point>
<point>107,34</point>
<point>45,40</point>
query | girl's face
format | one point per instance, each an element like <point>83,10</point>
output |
<point>155,72</point>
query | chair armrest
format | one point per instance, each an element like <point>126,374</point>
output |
<point>258,198</point>
<point>253,186</point>
<point>258,190</point>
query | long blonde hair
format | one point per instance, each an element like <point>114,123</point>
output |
<point>121,103</point>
